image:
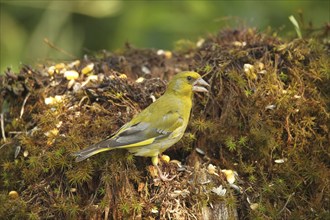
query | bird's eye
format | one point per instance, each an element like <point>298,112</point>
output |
<point>189,78</point>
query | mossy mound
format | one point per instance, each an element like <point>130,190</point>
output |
<point>266,117</point>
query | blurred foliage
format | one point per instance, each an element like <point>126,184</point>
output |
<point>81,26</point>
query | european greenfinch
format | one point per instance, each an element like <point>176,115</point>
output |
<point>157,127</point>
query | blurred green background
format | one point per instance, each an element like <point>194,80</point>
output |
<point>81,27</point>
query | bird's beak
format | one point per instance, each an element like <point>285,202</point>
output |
<point>198,85</point>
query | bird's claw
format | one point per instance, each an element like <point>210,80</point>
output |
<point>164,177</point>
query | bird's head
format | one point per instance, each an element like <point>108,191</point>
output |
<point>185,83</point>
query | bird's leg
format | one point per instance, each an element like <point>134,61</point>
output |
<point>160,173</point>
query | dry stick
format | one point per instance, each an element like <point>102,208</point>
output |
<point>287,201</point>
<point>2,127</point>
<point>287,128</point>
<point>4,145</point>
<point>24,102</point>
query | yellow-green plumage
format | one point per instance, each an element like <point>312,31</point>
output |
<point>157,127</point>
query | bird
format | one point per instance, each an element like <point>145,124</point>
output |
<point>157,127</point>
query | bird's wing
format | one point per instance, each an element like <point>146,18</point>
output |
<point>146,132</point>
<point>140,133</point>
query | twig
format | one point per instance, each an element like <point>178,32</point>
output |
<point>2,127</point>
<point>24,102</point>
<point>83,98</point>
<point>4,145</point>
<point>287,127</point>
<point>286,203</point>
<point>16,132</point>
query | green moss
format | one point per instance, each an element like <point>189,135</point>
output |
<point>245,123</point>
<point>230,143</point>
<point>81,174</point>
<point>12,208</point>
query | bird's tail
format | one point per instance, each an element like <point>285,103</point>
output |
<point>92,150</point>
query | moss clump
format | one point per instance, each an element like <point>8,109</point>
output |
<point>272,93</point>
<point>266,117</point>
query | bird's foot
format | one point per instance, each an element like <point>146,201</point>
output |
<point>164,177</point>
<point>165,158</point>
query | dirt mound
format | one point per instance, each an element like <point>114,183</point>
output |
<point>256,147</point>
